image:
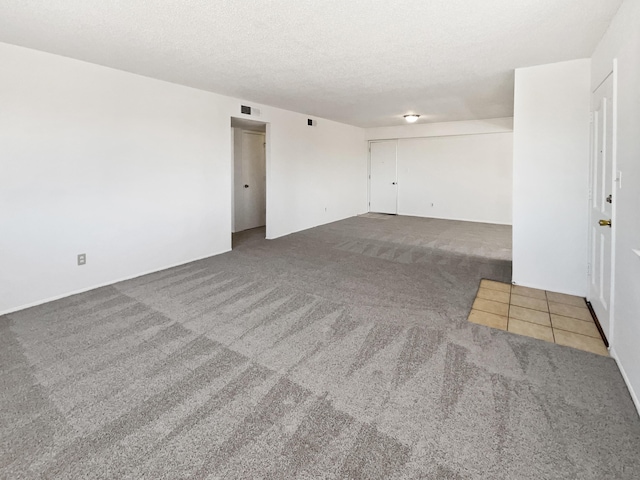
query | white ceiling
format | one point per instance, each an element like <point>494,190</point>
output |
<point>362,62</point>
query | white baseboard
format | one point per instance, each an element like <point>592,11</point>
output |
<point>634,397</point>
<point>100,285</point>
<point>271,236</point>
<point>457,219</point>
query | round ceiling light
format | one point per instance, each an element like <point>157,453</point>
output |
<point>411,118</point>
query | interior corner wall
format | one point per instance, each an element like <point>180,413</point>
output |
<point>454,170</point>
<point>622,43</point>
<point>466,177</point>
<point>315,174</point>
<point>136,173</point>
<point>551,138</point>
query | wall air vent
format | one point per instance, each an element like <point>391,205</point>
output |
<point>311,123</point>
<point>247,110</point>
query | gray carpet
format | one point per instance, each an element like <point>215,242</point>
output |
<point>338,352</point>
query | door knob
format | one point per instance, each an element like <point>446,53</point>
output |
<point>246,186</point>
<point>393,183</point>
<point>605,223</point>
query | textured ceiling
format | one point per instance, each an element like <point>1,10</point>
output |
<point>362,62</point>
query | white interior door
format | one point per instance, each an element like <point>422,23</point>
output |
<point>602,197</point>
<point>383,177</point>
<point>250,184</point>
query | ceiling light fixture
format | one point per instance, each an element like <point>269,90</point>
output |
<point>411,118</point>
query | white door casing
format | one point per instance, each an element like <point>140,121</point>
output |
<point>602,196</point>
<point>250,184</point>
<point>383,177</point>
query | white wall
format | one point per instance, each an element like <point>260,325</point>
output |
<point>315,175</point>
<point>550,176</point>
<point>622,42</point>
<point>136,173</point>
<point>454,170</point>
<point>442,129</point>
<point>467,177</point>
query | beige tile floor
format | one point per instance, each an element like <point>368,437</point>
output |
<point>549,316</point>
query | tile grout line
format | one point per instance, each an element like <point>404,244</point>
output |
<point>493,289</point>
<point>548,301</point>
<point>574,333</point>
<point>509,307</point>
<point>477,297</point>
<point>552,327</point>
<point>553,332</point>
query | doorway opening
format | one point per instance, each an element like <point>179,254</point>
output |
<point>249,181</point>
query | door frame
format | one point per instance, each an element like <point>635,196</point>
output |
<point>615,185</point>
<point>267,161</point>
<point>380,140</point>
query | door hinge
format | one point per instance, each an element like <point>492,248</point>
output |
<point>590,194</point>
<point>590,117</point>
<point>588,269</point>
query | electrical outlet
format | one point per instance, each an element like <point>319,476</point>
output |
<point>82,258</point>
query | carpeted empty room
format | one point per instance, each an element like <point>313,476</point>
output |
<point>350,240</point>
<point>342,351</point>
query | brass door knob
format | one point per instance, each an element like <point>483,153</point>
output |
<point>605,223</point>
